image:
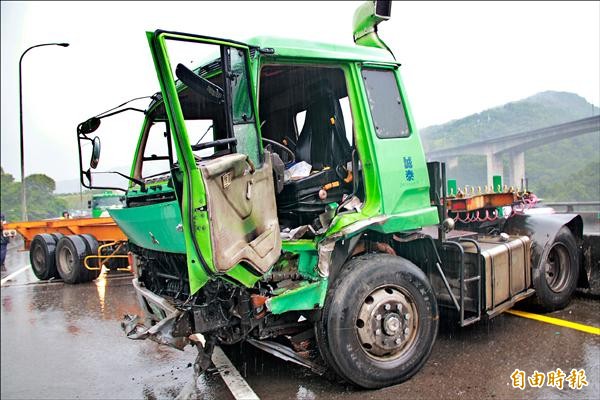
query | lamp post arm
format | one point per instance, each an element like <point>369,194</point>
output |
<point>23,192</point>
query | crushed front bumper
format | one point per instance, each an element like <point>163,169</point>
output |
<point>163,323</point>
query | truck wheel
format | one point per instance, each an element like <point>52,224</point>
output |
<point>558,272</point>
<point>70,252</point>
<point>42,256</point>
<point>91,249</point>
<point>379,322</point>
<point>57,236</point>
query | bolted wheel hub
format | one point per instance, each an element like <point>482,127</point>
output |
<point>391,324</point>
<point>66,259</point>
<point>558,268</point>
<point>38,256</point>
<point>387,322</point>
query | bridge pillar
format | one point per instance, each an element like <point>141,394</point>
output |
<point>452,162</point>
<point>517,168</point>
<point>494,166</point>
<point>451,165</point>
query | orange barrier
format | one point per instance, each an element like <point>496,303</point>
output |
<point>103,229</point>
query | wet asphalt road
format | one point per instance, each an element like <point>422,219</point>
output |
<point>64,341</point>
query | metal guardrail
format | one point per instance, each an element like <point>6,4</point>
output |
<point>589,211</point>
<point>573,206</point>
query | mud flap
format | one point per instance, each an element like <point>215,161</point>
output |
<point>542,230</point>
<point>591,263</point>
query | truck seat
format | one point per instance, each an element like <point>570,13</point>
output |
<point>323,141</point>
<point>323,144</point>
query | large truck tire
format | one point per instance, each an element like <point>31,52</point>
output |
<point>558,272</point>
<point>91,249</point>
<point>42,255</point>
<point>70,253</point>
<point>379,321</point>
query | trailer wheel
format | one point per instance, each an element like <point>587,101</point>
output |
<point>380,321</point>
<point>57,236</point>
<point>558,273</point>
<point>42,256</point>
<point>70,252</point>
<point>91,249</point>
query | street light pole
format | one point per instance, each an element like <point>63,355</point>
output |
<point>23,194</point>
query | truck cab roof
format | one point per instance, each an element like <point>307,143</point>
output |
<point>288,47</point>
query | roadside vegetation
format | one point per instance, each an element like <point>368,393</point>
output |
<point>567,170</point>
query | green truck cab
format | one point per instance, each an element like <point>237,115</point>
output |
<point>102,202</point>
<point>292,203</point>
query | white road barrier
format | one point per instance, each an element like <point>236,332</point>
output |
<point>232,378</point>
<point>12,275</point>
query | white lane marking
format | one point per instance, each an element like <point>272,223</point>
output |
<point>56,281</point>
<point>232,378</point>
<point>187,391</point>
<point>37,283</point>
<point>10,276</point>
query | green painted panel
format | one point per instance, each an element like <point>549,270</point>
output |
<point>242,275</point>
<point>308,255</point>
<point>309,296</point>
<point>296,246</point>
<point>160,221</point>
<point>307,264</point>
<point>321,51</point>
<point>409,220</point>
<point>402,168</point>
<point>452,189</point>
<point>497,183</point>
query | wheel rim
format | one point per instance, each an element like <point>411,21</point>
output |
<point>38,258</point>
<point>387,323</point>
<point>66,259</point>
<point>558,268</point>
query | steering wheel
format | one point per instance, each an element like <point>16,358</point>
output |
<point>282,147</point>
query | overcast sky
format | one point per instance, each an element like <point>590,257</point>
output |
<point>458,59</point>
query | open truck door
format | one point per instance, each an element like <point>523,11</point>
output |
<point>224,183</point>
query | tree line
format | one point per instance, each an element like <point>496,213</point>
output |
<point>41,201</point>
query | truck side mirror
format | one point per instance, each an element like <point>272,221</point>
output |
<point>95,153</point>
<point>89,204</point>
<point>89,126</point>
<point>383,9</point>
<point>366,18</point>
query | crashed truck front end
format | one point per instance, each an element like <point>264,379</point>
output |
<point>211,272</point>
<point>222,312</point>
<point>231,277</point>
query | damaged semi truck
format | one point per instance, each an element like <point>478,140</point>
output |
<point>290,205</point>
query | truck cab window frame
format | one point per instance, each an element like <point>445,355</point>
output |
<point>385,103</point>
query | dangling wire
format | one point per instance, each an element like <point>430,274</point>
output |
<point>121,105</point>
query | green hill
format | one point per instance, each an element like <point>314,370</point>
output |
<point>567,170</point>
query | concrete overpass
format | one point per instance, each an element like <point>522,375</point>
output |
<point>515,146</point>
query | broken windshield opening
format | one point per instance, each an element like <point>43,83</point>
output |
<point>217,107</point>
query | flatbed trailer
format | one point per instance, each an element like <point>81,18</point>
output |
<point>72,249</point>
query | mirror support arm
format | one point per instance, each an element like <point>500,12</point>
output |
<point>120,111</point>
<point>134,180</point>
